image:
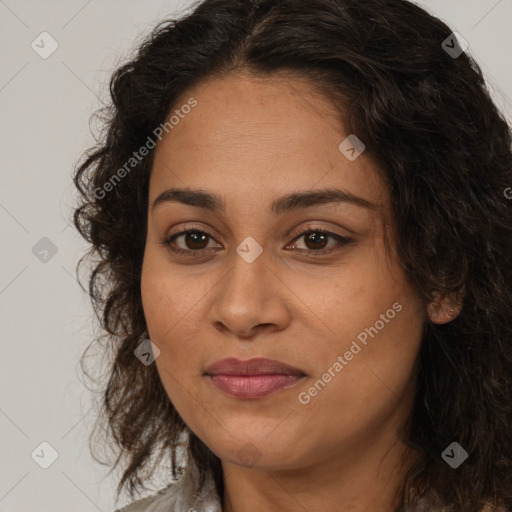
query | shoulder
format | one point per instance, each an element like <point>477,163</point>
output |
<point>182,495</point>
<point>144,504</point>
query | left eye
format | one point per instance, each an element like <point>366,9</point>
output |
<point>315,240</point>
<point>318,237</point>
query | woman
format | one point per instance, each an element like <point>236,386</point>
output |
<point>301,216</point>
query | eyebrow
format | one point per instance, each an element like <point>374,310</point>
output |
<point>284,204</point>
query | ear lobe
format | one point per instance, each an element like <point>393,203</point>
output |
<point>444,309</point>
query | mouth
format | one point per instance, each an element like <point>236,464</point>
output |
<point>255,378</point>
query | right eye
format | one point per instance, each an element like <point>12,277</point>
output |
<point>193,238</point>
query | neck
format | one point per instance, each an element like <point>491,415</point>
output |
<point>366,479</point>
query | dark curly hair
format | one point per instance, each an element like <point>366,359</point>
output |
<point>444,150</point>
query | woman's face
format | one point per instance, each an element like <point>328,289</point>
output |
<point>257,287</point>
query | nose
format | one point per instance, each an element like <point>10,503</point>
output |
<point>249,299</point>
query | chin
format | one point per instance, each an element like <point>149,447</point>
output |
<point>256,451</point>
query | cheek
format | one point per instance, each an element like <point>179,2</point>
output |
<point>173,328</point>
<point>157,304</point>
<point>351,296</point>
<point>352,399</point>
<point>173,310</point>
<point>389,342</point>
<point>168,300</point>
<point>372,319</point>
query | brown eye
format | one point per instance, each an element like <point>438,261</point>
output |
<point>316,241</point>
<point>194,240</point>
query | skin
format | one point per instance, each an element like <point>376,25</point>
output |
<point>252,140</point>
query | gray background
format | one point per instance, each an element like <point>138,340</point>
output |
<point>46,321</point>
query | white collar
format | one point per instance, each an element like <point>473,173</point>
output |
<point>179,496</point>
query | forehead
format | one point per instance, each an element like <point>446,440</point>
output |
<point>253,136</point>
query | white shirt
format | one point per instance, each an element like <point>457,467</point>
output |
<point>179,496</point>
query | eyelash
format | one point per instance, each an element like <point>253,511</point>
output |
<point>168,241</point>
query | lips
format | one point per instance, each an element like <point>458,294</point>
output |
<point>256,366</point>
<point>254,378</point>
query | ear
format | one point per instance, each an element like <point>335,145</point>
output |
<point>444,308</point>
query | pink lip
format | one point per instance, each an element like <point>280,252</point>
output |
<point>254,378</point>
